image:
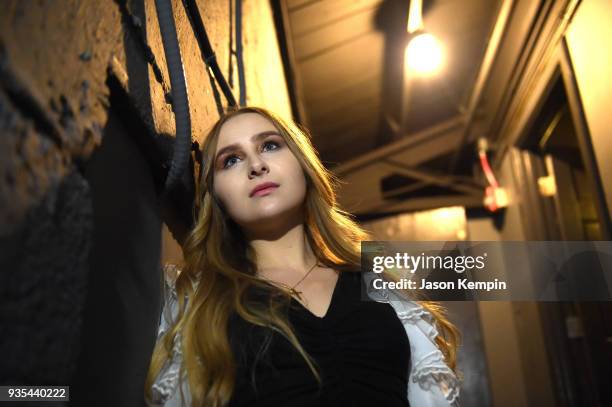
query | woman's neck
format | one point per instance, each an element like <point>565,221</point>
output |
<point>284,251</point>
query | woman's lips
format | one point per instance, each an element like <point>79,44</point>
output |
<point>264,191</point>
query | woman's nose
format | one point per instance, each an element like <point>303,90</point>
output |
<point>258,167</point>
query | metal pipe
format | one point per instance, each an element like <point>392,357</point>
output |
<point>180,101</point>
<point>483,76</point>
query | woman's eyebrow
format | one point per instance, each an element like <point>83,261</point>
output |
<point>255,137</point>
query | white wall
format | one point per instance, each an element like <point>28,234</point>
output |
<point>588,39</point>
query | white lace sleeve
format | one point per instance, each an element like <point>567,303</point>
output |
<point>431,382</point>
<point>164,389</point>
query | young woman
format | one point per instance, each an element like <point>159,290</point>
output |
<point>266,309</point>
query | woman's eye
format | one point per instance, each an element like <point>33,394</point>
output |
<point>229,161</point>
<point>266,146</point>
<point>274,145</point>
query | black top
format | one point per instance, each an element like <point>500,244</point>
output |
<point>361,348</point>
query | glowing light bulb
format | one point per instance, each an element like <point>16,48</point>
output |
<point>424,54</point>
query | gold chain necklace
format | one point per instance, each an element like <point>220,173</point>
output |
<point>293,290</point>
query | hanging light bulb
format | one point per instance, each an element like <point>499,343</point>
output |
<point>424,54</point>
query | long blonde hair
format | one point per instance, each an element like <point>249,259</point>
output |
<point>219,267</point>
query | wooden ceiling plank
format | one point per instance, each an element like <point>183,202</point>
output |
<point>321,14</point>
<point>344,104</point>
<point>352,86</point>
<point>349,118</point>
<point>331,69</point>
<point>334,34</point>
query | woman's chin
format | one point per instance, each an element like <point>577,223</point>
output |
<point>273,218</point>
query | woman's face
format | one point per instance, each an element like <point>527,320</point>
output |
<point>251,153</point>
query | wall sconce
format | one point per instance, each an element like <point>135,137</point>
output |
<point>547,186</point>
